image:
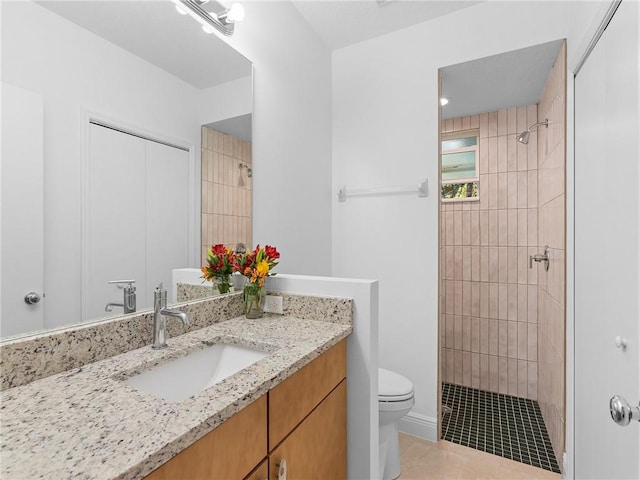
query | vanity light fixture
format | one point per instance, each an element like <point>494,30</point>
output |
<point>223,22</point>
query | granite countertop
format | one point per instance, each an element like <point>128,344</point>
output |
<point>87,423</point>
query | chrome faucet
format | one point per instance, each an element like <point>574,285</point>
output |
<point>160,310</point>
<point>129,300</point>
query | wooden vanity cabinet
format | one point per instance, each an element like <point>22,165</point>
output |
<point>317,448</point>
<point>308,419</point>
<point>231,450</point>
<point>302,420</point>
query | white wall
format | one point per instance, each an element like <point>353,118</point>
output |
<point>362,363</point>
<point>227,100</point>
<point>291,135</point>
<point>385,132</point>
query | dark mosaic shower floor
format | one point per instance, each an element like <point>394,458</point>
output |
<point>503,425</point>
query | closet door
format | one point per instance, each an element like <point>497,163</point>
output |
<point>167,181</point>
<point>115,220</point>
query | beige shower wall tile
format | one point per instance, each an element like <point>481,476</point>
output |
<point>512,376</point>
<point>503,227</point>
<point>522,315</point>
<point>494,375</point>
<point>484,372</point>
<point>475,370</point>
<point>492,155</point>
<point>503,162</point>
<point>523,384</point>
<point>503,373</point>
<point>466,369</point>
<point>457,358</point>
<point>532,380</point>
<point>523,188</point>
<point>466,298</point>
<point>503,264</point>
<point>492,124</point>
<point>512,227</point>
<point>503,192</point>
<point>523,238</point>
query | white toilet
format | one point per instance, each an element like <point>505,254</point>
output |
<point>395,400</point>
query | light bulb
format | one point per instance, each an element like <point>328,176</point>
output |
<point>444,101</point>
<point>207,29</point>
<point>235,13</point>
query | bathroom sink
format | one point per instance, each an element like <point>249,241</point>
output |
<point>183,377</point>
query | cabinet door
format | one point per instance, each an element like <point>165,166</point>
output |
<point>229,452</point>
<point>260,473</point>
<point>293,399</point>
<point>317,448</point>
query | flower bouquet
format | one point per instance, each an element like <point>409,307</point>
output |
<point>221,263</point>
<point>256,266</point>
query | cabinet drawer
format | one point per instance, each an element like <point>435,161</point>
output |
<point>232,450</point>
<point>294,398</point>
<point>317,448</point>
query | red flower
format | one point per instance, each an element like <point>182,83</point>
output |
<point>272,252</point>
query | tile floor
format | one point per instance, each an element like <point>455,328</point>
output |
<point>504,425</point>
<point>422,459</point>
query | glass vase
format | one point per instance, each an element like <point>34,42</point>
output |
<point>223,283</point>
<point>253,299</point>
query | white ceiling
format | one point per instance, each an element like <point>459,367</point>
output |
<point>507,80</point>
<point>343,23</point>
<point>155,32</point>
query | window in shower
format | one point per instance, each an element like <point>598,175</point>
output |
<point>459,172</point>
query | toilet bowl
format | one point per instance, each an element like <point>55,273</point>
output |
<point>395,400</point>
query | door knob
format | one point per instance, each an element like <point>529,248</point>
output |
<point>31,298</point>
<point>621,412</point>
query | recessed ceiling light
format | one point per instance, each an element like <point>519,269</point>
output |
<point>444,101</point>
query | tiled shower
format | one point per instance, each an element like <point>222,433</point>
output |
<point>501,322</point>
<point>226,190</point>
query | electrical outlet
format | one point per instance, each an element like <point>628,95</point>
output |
<point>273,304</point>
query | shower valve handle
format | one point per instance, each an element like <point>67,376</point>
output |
<point>540,258</point>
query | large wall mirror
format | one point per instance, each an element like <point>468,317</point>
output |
<point>126,150</point>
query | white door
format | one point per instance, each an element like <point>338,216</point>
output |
<point>607,245</point>
<point>168,235</point>
<point>115,220</point>
<point>22,217</point>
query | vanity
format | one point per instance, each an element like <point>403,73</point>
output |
<point>284,412</point>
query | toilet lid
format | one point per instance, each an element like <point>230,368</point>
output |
<point>393,387</point>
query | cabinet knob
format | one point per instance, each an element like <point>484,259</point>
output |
<point>282,469</point>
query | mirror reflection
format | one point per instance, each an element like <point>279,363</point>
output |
<point>123,157</point>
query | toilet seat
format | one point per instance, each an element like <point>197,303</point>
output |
<point>393,387</point>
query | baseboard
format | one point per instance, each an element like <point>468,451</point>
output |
<point>419,426</point>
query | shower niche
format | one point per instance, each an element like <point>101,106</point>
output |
<point>501,348</point>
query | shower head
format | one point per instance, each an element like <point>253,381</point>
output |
<point>524,136</point>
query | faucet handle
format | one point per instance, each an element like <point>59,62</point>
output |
<point>160,295</point>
